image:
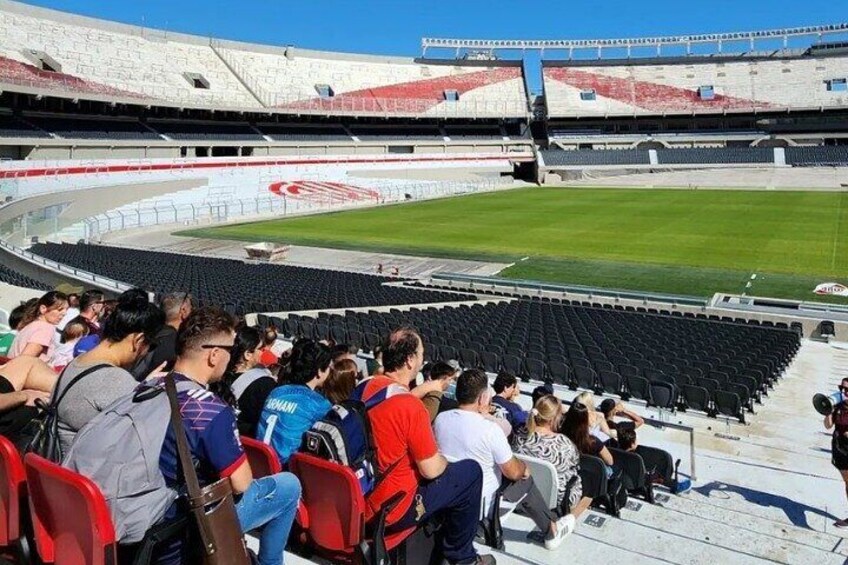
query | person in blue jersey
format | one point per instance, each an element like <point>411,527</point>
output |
<point>291,409</point>
<point>204,343</point>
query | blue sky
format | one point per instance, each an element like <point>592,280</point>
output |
<point>395,27</point>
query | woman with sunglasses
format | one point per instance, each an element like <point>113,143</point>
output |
<point>127,333</point>
<point>838,421</point>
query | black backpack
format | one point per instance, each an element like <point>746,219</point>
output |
<point>41,436</point>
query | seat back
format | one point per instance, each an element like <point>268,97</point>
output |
<point>632,466</point>
<point>12,492</point>
<point>663,395</point>
<point>262,458</point>
<point>545,476</point>
<point>333,499</point>
<point>728,404</point>
<point>697,397</point>
<point>593,475</point>
<point>83,536</point>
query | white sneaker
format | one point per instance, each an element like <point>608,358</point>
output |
<point>564,527</point>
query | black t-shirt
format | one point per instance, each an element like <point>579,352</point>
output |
<point>13,421</point>
<point>165,350</point>
<point>251,402</point>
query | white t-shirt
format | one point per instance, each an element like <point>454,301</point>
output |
<point>468,435</point>
<point>69,315</point>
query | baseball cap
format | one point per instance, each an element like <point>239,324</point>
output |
<point>86,344</point>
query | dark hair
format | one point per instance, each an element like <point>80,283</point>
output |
<point>626,438</point>
<point>202,326</point>
<point>441,370</point>
<point>133,314</point>
<point>576,427</point>
<point>89,298</point>
<point>248,339</point>
<point>503,381</point>
<point>172,303</point>
<point>341,350</point>
<point>270,335</point>
<point>607,406</point>
<point>341,382</point>
<point>308,358</point>
<point>470,385</point>
<point>398,347</point>
<point>50,300</point>
<point>540,391</point>
<point>16,316</point>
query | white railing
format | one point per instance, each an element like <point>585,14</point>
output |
<point>78,274</point>
<point>225,210</point>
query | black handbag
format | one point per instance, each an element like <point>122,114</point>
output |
<point>41,435</point>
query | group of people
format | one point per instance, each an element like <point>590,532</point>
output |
<point>444,439</point>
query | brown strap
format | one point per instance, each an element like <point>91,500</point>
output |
<point>189,473</point>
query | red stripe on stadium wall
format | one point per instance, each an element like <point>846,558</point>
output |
<point>96,169</point>
<point>647,95</point>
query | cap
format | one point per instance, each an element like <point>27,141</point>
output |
<point>268,358</point>
<point>86,344</point>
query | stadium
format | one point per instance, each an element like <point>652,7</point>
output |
<point>660,224</point>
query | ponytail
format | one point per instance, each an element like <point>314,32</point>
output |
<point>51,300</point>
<point>546,411</point>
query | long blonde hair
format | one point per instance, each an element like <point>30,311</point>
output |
<point>547,411</point>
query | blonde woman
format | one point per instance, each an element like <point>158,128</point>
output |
<point>541,439</point>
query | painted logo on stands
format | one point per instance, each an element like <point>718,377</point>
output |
<point>322,191</point>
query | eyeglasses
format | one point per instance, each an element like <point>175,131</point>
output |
<point>227,348</point>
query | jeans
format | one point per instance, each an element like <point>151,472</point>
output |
<point>270,503</point>
<point>455,495</point>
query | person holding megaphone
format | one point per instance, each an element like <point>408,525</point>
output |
<point>837,419</point>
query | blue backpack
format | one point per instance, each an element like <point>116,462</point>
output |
<point>344,436</point>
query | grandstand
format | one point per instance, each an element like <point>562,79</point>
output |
<point>113,137</point>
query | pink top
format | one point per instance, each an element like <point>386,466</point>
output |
<point>39,332</point>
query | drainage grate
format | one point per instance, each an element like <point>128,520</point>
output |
<point>661,498</point>
<point>727,436</point>
<point>633,505</point>
<point>595,521</point>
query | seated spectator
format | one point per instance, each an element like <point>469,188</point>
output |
<point>540,391</point>
<point>347,351</point>
<point>127,333</point>
<point>507,391</point>
<point>540,439</point>
<point>467,434</point>
<point>292,408</point>
<point>74,331</point>
<point>203,346</point>
<point>342,380</point>
<point>176,307</point>
<point>597,423</point>
<point>38,326</point>
<point>435,401</point>
<point>612,409</point>
<point>410,462</point>
<point>246,385</point>
<point>576,427</point>
<point>91,308</point>
<point>627,439</point>
<point>273,343</point>
<point>15,318</point>
<point>23,380</point>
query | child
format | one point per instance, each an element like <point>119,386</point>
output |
<point>74,331</point>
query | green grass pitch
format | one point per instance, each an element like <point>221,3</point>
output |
<point>692,242</point>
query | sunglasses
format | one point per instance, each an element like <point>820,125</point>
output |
<point>227,348</point>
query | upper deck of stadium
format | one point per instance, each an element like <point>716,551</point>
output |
<point>50,53</point>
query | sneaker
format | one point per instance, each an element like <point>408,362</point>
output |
<point>485,560</point>
<point>841,523</point>
<point>564,527</point>
<point>683,485</point>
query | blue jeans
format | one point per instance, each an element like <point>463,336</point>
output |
<point>270,504</point>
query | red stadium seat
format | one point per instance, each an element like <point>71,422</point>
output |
<point>334,501</point>
<point>262,457</point>
<point>12,493</point>
<point>73,514</point>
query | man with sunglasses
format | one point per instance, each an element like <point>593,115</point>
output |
<point>838,421</point>
<point>204,344</point>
